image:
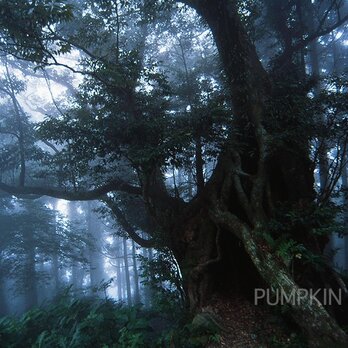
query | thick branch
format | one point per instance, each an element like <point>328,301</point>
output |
<point>127,227</point>
<point>114,185</point>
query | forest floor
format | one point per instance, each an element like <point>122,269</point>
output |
<point>244,325</point>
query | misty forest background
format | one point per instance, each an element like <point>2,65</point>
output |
<point>159,160</point>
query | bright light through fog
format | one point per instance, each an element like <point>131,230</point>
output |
<point>338,35</point>
<point>109,239</point>
<point>62,206</point>
<point>49,206</point>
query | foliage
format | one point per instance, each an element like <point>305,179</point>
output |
<point>294,341</point>
<point>25,22</point>
<point>73,323</point>
<point>33,233</point>
<point>70,323</point>
<point>281,232</point>
<point>162,275</point>
<point>320,218</point>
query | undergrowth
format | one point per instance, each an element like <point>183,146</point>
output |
<point>87,322</point>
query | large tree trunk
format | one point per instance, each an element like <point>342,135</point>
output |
<point>238,201</point>
<point>224,256</point>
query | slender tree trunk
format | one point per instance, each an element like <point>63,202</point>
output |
<point>18,112</point>
<point>119,278</point>
<point>190,183</point>
<point>96,267</point>
<point>345,209</point>
<point>122,282</point>
<point>77,271</point>
<point>55,257</point>
<point>3,300</point>
<point>55,273</point>
<point>126,272</point>
<point>77,275</point>
<point>148,293</point>
<point>199,164</point>
<point>339,65</point>
<point>323,146</point>
<point>137,298</point>
<point>30,290</point>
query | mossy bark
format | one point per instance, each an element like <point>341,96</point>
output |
<point>320,328</point>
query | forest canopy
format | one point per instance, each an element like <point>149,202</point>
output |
<point>214,132</point>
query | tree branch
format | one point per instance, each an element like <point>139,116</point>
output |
<point>303,43</point>
<point>320,33</point>
<point>127,227</point>
<point>97,193</point>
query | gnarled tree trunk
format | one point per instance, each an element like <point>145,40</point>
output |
<point>239,198</point>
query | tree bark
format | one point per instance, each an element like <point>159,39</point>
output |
<point>321,329</point>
